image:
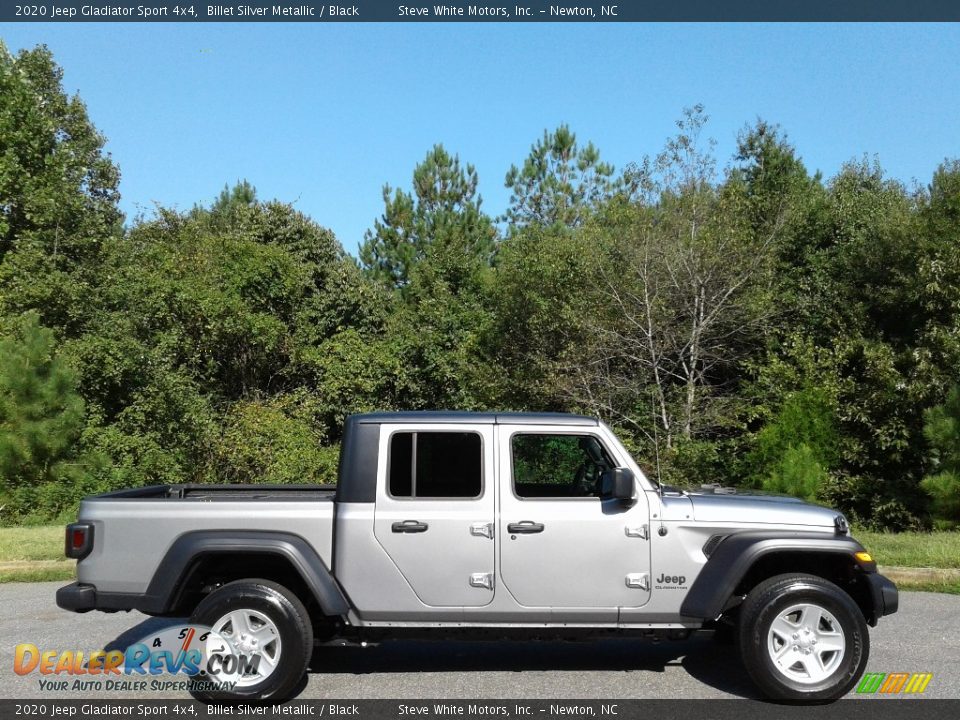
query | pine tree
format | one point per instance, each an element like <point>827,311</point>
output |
<point>41,417</point>
<point>559,182</point>
<point>442,216</point>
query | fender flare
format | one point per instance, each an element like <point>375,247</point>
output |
<point>736,554</point>
<point>171,573</point>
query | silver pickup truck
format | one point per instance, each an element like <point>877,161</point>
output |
<point>516,525</point>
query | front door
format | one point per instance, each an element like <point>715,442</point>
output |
<point>563,545</point>
<point>434,513</point>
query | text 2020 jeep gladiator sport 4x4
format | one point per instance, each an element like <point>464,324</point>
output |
<point>485,525</point>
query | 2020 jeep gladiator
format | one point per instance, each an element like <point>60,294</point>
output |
<point>485,525</point>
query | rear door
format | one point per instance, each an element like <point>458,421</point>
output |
<point>562,545</point>
<point>434,512</point>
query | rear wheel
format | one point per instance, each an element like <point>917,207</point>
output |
<point>803,638</point>
<point>269,627</point>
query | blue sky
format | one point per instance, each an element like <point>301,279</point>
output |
<point>323,115</point>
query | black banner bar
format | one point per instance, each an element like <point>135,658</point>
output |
<point>916,708</point>
<point>187,11</point>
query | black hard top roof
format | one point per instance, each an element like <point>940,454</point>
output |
<point>457,416</point>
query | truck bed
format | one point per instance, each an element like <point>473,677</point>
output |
<point>223,492</point>
<point>135,528</point>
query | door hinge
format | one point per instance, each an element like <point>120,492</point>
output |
<point>638,580</point>
<point>482,530</point>
<point>641,531</point>
<point>484,580</point>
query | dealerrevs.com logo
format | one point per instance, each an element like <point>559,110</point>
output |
<point>894,683</point>
<point>198,656</point>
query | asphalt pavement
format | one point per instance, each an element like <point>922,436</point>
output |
<point>922,637</point>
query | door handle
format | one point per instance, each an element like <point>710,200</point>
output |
<point>409,526</point>
<point>525,527</point>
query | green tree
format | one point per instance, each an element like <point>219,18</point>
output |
<point>779,193</point>
<point>560,182</point>
<point>242,194</point>
<point>776,179</point>
<point>432,250</point>
<point>852,282</point>
<point>936,283</point>
<point>275,440</point>
<point>202,314</point>
<point>543,316</point>
<point>686,281</point>
<point>942,430</point>
<point>443,212</point>
<point>795,452</point>
<point>41,419</point>
<point>230,207</point>
<point>58,192</point>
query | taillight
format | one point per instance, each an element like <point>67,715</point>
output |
<point>79,541</point>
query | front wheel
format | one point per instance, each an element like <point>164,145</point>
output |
<point>802,638</point>
<point>266,625</point>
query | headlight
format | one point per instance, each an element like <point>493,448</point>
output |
<point>840,525</point>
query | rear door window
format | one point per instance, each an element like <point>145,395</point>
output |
<point>435,465</point>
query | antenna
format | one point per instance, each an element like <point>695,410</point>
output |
<point>656,445</point>
<point>656,455</point>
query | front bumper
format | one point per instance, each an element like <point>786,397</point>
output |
<point>884,594</point>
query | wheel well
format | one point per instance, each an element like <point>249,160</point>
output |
<point>838,568</point>
<point>209,571</point>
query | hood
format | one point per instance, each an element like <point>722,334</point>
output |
<point>773,509</point>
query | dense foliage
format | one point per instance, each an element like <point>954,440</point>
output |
<point>758,326</point>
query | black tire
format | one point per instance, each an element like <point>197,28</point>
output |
<point>292,621</point>
<point>765,604</point>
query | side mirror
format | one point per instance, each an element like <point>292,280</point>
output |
<point>618,483</point>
